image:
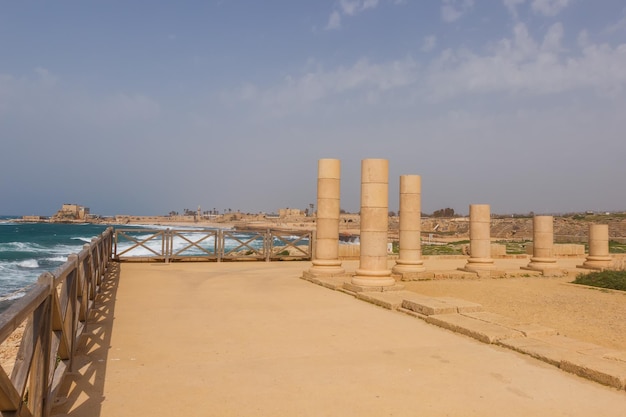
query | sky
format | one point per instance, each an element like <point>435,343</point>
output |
<point>146,107</point>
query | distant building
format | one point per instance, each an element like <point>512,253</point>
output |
<point>287,212</point>
<point>72,212</point>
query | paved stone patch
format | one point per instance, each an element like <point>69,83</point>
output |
<point>480,330</point>
<point>527,329</point>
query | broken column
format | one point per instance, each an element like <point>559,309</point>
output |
<point>599,257</point>
<point>480,239</point>
<point>373,270</point>
<point>326,260</point>
<point>543,244</point>
<point>410,254</point>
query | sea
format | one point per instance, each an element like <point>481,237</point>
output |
<point>29,249</point>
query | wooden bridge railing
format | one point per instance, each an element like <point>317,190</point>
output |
<point>210,245</point>
<point>52,314</point>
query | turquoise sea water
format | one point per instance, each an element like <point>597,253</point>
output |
<point>29,249</point>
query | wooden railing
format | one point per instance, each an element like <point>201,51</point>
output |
<point>52,315</point>
<point>210,245</point>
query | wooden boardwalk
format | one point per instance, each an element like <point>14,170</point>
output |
<point>252,339</point>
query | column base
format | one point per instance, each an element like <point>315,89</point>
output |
<point>406,268</point>
<point>366,278</point>
<point>551,270</point>
<point>597,263</point>
<point>326,268</point>
<point>350,286</point>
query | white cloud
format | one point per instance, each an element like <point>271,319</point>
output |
<point>549,7</point>
<point>334,21</point>
<point>452,10</point>
<point>364,79</point>
<point>511,6</point>
<point>349,8</point>
<point>521,65</point>
<point>352,7</point>
<point>429,43</point>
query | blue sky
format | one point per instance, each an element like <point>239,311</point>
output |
<point>143,107</point>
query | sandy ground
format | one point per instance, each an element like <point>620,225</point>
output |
<point>593,315</point>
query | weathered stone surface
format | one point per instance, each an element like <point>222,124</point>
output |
<point>429,306</point>
<point>527,329</point>
<point>480,330</point>
<point>388,299</point>
<point>611,373</point>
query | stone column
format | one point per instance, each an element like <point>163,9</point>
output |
<point>480,239</point>
<point>326,260</point>
<point>543,244</point>
<point>373,271</point>
<point>599,257</point>
<point>410,259</point>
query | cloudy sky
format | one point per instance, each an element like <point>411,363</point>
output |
<point>143,107</point>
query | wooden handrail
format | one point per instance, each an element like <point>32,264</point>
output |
<point>227,245</point>
<point>53,312</point>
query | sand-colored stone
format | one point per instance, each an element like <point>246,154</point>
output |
<point>410,251</point>
<point>599,257</point>
<point>480,239</point>
<point>373,270</point>
<point>225,339</point>
<point>543,245</point>
<point>326,255</point>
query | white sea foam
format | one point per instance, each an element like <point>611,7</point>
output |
<point>57,259</point>
<point>28,263</point>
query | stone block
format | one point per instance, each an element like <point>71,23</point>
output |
<point>429,306</point>
<point>526,329</point>
<point>536,348</point>
<point>611,373</point>
<point>477,329</point>
<point>391,300</point>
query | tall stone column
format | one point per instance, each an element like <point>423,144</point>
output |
<point>326,261</point>
<point>543,244</point>
<point>480,239</point>
<point>373,271</point>
<point>410,256</point>
<point>599,257</point>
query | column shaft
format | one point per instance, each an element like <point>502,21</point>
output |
<point>480,239</point>
<point>410,254</point>
<point>599,257</point>
<point>326,259</point>
<point>373,270</point>
<point>543,244</point>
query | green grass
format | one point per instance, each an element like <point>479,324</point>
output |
<point>616,247</point>
<point>614,280</point>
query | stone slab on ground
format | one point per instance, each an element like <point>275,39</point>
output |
<point>477,329</point>
<point>462,306</point>
<point>353,288</point>
<point>538,349</point>
<point>604,371</point>
<point>527,329</point>
<point>391,300</point>
<point>333,282</point>
<point>439,305</point>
